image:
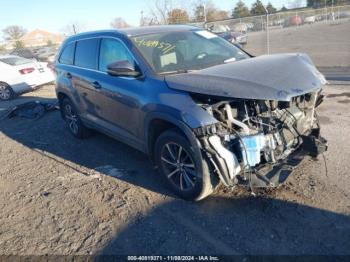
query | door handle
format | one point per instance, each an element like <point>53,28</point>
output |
<point>96,85</point>
<point>69,75</point>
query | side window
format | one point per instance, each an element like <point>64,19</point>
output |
<point>112,51</point>
<point>86,53</point>
<point>67,55</point>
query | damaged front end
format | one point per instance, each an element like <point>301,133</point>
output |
<point>257,143</point>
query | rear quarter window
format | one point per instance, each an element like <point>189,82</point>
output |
<point>86,53</point>
<point>67,55</point>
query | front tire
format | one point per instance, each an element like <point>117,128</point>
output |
<point>176,160</point>
<point>6,92</point>
<point>71,117</point>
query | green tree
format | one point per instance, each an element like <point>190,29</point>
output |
<point>240,10</point>
<point>271,8</point>
<point>283,9</point>
<point>257,8</point>
<point>178,16</point>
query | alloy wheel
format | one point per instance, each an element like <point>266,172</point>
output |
<point>71,118</point>
<point>5,92</point>
<point>178,166</point>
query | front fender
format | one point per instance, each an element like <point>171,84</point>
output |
<point>173,120</point>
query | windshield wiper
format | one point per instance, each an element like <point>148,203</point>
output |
<point>182,71</point>
<point>230,60</point>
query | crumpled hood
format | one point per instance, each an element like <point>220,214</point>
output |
<point>268,77</point>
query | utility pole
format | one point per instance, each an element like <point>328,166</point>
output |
<point>267,31</point>
<point>325,8</point>
<point>142,22</point>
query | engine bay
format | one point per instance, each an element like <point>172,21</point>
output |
<point>252,134</point>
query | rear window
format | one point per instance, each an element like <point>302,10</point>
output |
<point>86,53</point>
<point>67,56</point>
<point>14,61</point>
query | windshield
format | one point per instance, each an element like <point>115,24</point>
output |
<point>14,61</point>
<point>185,51</point>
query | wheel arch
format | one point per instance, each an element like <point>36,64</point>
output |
<point>157,123</point>
<point>61,95</point>
<point>5,83</point>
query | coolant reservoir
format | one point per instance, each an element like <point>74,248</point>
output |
<point>252,148</point>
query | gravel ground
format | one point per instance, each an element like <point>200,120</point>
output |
<point>60,195</point>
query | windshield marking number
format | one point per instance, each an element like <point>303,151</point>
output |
<point>163,46</point>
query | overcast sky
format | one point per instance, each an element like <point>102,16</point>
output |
<point>97,14</point>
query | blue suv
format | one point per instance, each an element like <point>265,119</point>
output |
<point>205,111</point>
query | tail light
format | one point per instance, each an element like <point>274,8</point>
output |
<point>28,70</point>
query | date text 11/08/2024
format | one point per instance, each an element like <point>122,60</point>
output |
<point>173,258</point>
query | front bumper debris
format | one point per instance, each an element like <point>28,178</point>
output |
<point>264,175</point>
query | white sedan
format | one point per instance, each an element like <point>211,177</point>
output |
<point>19,75</point>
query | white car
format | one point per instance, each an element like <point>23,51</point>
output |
<point>310,20</point>
<point>19,75</point>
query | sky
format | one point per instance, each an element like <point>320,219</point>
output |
<point>54,15</point>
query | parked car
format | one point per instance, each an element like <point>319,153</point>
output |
<point>226,33</point>
<point>47,54</point>
<point>295,20</point>
<point>204,110</point>
<point>242,27</point>
<point>19,75</point>
<point>25,53</point>
<point>310,20</point>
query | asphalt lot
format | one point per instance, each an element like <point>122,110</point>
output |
<point>60,195</point>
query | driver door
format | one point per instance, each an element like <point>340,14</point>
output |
<point>119,97</point>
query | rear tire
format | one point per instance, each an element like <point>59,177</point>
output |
<point>6,92</point>
<point>177,164</point>
<point>71,117</point>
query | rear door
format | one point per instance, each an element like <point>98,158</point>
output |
<point>85,76</point>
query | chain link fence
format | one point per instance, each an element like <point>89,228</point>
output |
<point>285,19</point>
<point>322,33</point>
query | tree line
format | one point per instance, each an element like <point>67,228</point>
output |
<point>162,13</point>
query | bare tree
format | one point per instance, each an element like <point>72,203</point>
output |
<point>159,10</point>
<point>119,22</point>
<point>13,32</point>
<point>212,13</point>
<point>73,28</point>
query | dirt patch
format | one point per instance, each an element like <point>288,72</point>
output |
<point>324,120</point>
<point>60,195</point>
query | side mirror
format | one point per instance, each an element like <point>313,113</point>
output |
<point>123,68</point>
